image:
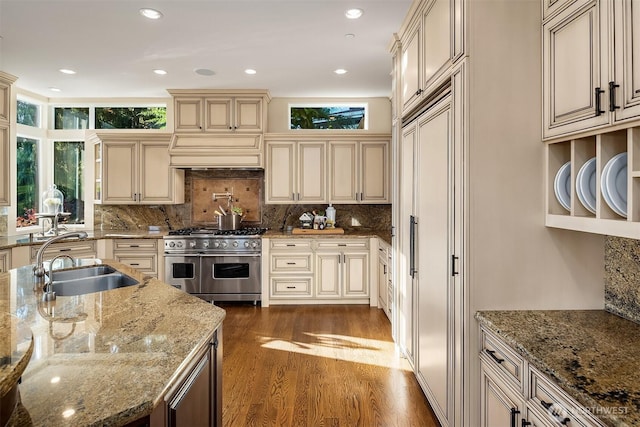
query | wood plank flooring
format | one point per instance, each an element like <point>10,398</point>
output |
<point>316,366</point>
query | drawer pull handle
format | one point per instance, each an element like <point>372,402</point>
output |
<point>492,353</point>
<point>65,249</point>
<point>291,263</point>
<point>135,263</point>
<point>551,408</point>
<point>291,287</point>
<point>291,244</point>
<point>134,246</point>
<point>342,244</point>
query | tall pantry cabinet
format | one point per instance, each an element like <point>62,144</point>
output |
<point>470,200</point>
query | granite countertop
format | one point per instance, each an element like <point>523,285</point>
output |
<point>591,354</point>
<point>353,232</point>
<point>105,358</point>
<point>8,242</point>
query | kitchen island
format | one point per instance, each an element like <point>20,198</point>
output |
<point>591,355</point>
<point>108,358</point>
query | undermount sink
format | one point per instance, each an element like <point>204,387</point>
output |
<point>80,281</point>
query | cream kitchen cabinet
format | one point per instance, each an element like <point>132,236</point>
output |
<point>430,45</point>
<point>141,254</point>
<point>296,172</point>
<point>591,71</point>
<point>76,249</point>
<point>5,260</point>
<point>290,269</point>
<point>385,284</point>
<point>219,111</point>
<point>359,172</point>
<point>6,104</point>
<point>342,269</point>
<point>134,169</point>
<point>500,405</point>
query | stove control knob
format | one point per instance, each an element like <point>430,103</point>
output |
<point>172,244</point>
<point>246,244</point>
<point>178,244</point>
<point>205,244</point>
<point>254,244</point>
<point>192,244</point>
<point>235,244</point>
<point>216,244</point>
<point>223,244</point>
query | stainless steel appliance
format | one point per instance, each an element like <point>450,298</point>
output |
<point>215,265</point>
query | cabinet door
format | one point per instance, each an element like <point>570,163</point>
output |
<point>248,114</point>
<point>575,58</point>
<point>312,175</point>
<point>374,167</point>
<point>499,405</point>
<point>410,69</point>
<point>188,114</point>
<point>627,58</point>
<point>5,260</point>
<point>156,177</point>
<point>436,26</point>
<point>356,274</point>
<point>382,285</point>
<point>343,173</point>
<point>119,179</point>
<point>328,274</point>
<point>281,172</point>
<point>218,114</point>
<point>5,176</point>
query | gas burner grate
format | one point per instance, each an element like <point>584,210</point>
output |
<point>193,231</point>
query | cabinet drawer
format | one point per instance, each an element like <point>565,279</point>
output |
<point>290,287</point>
<point>290,244</point>
<point>80,249</point>
<point>557,406</point>
<point>299,263</point>
<point>343,244</point>
<point>145,263</point>
<point>128,245</point>
<point>503,359</point>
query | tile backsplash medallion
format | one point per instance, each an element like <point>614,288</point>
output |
<point>197,198</point>
<point>622,277</point>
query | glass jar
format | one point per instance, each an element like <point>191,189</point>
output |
<point>52,201</point>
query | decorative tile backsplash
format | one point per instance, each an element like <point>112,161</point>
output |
<point>198,207</point>
<point>622,277</point>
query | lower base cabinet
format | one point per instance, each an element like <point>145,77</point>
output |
<point>5,260</point>
<point>196,399</point>
<point>514,393</point>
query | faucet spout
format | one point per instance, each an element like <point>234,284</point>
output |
<point>38,268</point>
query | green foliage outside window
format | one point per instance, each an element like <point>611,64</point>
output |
<point>68,169</point>
<point>327,117</point>
<point>28,114</point>
<point>131,118</point>
<point>71,118</point>
<point>27,181</point>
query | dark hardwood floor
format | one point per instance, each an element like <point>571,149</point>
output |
<point>316,366</point>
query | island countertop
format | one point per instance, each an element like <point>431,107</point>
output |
<point>591,354</point>
<point>105,358</point>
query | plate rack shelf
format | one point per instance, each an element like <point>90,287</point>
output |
<point>578,151</point>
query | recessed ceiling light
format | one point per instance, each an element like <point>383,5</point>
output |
<point>349,36</point>
<point>54,89</point>
<point>204,71</point>
<point>340,71</point>
<point>160,72</point>
<point>354,13</point>
<point>250,71</point>
<point>66,71</point>
<point>151,13</point>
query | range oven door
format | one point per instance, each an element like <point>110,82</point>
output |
<point>183,272</point>
<point>233,277</point>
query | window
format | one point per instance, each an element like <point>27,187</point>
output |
<point>328,117</point>
<point>27,181</point>
<point>68,172</point>
<point>71,118</point>
<point>131,118</point>
<point>28,114</point>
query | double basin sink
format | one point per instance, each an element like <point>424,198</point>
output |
<point>86,280</point>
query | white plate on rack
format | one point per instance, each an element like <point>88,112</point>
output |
<point>586,185</point>
<point>614,183</point>
<point>562,186</point>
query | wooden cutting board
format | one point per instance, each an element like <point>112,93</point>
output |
<point>336,230</point>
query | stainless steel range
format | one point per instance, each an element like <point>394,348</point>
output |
<point>215,265</point>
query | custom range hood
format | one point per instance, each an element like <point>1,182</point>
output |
<point>194,151</point>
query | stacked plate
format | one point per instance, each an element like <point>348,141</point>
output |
<point>613,184</point>
<point>586,185</point>
<point>562,186</point>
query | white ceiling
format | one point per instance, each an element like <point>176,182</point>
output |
<point>295,45</point>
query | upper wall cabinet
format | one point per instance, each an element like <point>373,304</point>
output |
<point>134,169</point>
<point>219,111</point>
<point>580,93</point>
<point>6,80</point>
<point>430,45</point>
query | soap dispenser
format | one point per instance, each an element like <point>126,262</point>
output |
<point>331,216</point>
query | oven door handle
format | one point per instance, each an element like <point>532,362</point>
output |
<point>231,254</point>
